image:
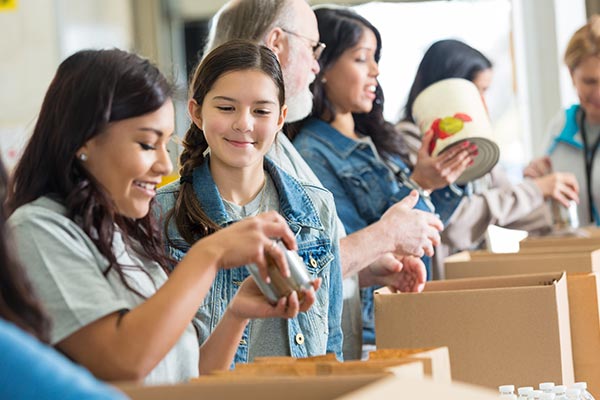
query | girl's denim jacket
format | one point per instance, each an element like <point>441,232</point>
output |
<point>310,213</point>
<point>363,187</point>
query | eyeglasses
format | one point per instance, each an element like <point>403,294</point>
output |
<point>317,47</point>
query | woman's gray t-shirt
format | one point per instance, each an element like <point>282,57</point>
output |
<point>67,272</point>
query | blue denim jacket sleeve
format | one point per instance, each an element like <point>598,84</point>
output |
<point>446,200</point>
<point>332,171</point>
<point>336,296</point>
<point>344,204</point>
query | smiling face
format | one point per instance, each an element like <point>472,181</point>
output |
<point>351,81</point>
<point>240,116</point>
<point>130,157</point>
<point>586,78</point>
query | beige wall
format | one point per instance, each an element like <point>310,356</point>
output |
<point>36,37</point>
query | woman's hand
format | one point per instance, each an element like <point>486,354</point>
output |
<point>561,186</point>
<point>433,173</point>
<point>538,167</point>
<point>250,303</point>
<point>248,240</point>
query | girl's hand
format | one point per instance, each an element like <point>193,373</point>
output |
<point>248,240</point>
<point>250,303</point>
<point>433,173</point>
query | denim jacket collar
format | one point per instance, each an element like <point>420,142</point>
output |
<point>339,144</point>
<point>295,204</point>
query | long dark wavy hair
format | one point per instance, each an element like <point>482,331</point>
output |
<point>91,89</point>
<point>18,303</point>
<point>341,29</point>
<point>235,55</point>
<point>445,59</point>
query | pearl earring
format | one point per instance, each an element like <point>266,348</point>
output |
<point>323,80</point>
<point>83,157</point>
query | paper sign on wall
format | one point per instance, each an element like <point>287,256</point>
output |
<point>7,5</point>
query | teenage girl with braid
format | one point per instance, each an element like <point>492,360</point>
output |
<point>92,250</point>
<point>237,107</point>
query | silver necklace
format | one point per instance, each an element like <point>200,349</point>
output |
<point>238,215</point>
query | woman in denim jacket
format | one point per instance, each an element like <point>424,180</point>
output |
<point>355,153</point>
<point>237,108</point>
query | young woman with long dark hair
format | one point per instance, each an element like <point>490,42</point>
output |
<point>80,204</point>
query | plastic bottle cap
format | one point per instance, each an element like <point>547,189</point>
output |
<point>525,390</point>
<point>580,385</point>
<point>562,389</point>
<point>506,388</point>
<point>573,391</point>
<point>546,385</point>
<point>547,396</point>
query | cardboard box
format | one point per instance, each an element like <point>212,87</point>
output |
<point>591,238</point>
<point>396,364</point>
<point>436,360</point>
<point>481,263</point>
<point>405,367</point>
<point>499,330</point>
<point>356,387</point>
<point>584,300</point>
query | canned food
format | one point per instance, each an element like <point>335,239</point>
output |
<point>565,217</point>
<point>281,286</point>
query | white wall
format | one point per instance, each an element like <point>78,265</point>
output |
<point>36,37</point>
<point>29,53</point>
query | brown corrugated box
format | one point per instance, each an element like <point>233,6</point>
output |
<point>498,330</point>
<point>583,292</point>
<point>406,368</point>
<point>354,387</point>
<point>436,360</point>
<point>583,237</point>
<point>406,363</point>
<point>584,296</point>
<point>481,263</point>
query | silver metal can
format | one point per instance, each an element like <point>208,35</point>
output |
<point>564,218</point>
<point>281,286</point>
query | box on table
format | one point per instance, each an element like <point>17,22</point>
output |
<point>583,292</point>
<point>436,360</point>
<point>356,387</point>
<point>498,330</point>
<point>406,367</point>
<point>582,237</point>
<point>481,263</point>
<point>584,300</point>
<point>407,363</point>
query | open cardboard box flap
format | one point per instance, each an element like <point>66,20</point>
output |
<point>507,329</point>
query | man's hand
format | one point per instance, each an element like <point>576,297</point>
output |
<point>402,274</point>
<point>414,232</point>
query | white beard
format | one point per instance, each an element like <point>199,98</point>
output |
<point>299,106</point>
